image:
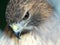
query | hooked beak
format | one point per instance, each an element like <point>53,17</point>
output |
<point>19,28</point>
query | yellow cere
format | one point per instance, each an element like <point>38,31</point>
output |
<point>15,27</point>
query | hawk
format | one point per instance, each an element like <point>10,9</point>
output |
<point>30,22</point>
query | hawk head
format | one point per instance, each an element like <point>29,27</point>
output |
<point>24,15</point>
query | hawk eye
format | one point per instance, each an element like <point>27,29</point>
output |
<point>26,16</point>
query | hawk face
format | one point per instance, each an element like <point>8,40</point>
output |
<point>23,16</point>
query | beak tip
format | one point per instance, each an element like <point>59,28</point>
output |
<point>17,35</point>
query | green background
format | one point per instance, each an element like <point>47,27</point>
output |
<point>3,4</point>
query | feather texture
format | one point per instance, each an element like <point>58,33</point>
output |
<point>47,33</point>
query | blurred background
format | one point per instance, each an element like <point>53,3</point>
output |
<point>56,5</point>
<point>3,4</point>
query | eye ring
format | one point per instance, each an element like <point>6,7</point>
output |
<point>26,16</point>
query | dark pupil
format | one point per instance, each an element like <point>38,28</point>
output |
<point>26,16</point>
